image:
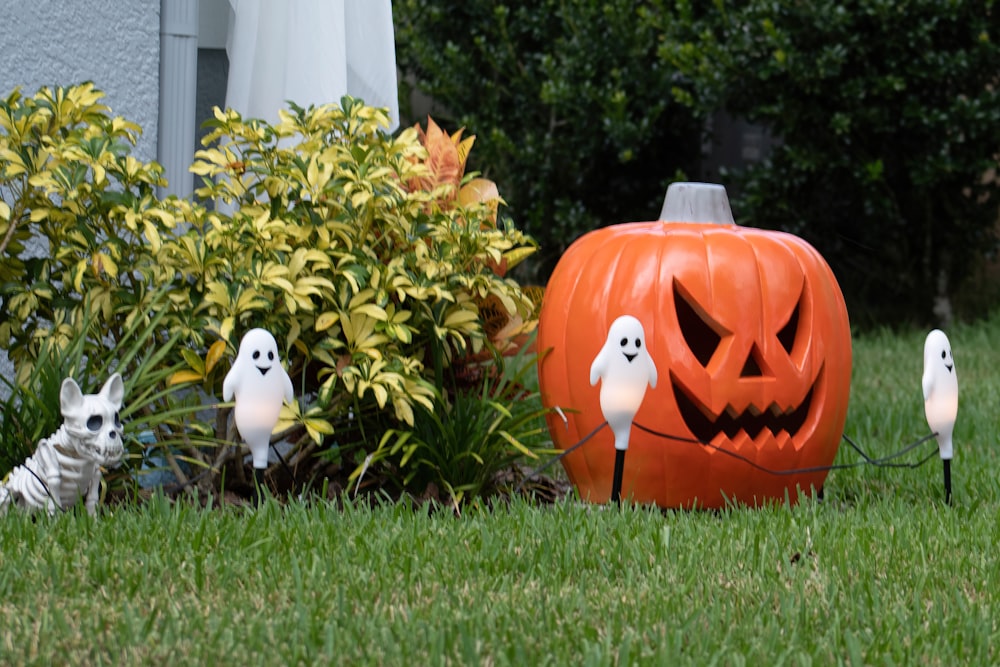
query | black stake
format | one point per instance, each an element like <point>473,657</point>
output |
<point>947,480</point>
<point>258,486</point>
<point>616,483</point>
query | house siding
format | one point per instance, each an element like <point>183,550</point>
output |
<point>114,43</point>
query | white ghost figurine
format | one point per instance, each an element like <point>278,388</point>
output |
<point>259,384</point>
<point>940,385</point>
<point>625,368</point>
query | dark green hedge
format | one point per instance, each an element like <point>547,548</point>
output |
<point>569,100</point>
<point>889,112</point>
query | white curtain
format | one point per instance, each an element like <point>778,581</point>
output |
<point>310,52</point>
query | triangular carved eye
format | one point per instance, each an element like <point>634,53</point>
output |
<point>789,332</point>
<point>696,327</point>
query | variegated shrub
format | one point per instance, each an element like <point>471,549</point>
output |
<point>337,237</point>
<point>373,259</point>
<point>79,220</point>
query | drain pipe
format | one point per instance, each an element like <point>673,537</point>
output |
<point>178,91</point>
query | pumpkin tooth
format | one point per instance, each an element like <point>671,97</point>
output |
<point>752,421</point>
<point>782,439</point>
<point>740,440</point>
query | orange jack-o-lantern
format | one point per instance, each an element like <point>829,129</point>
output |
<point>749,332</point>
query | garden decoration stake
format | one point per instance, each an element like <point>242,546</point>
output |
<point>66,466</point>
<point>940,385</point>
<point>752,343</point>
<point>624,368</point>
<point>259,384</point>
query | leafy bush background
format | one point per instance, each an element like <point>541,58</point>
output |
<point>887,112</point>
<point>571,104</point>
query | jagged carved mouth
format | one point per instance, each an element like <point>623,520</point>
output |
<point>773,419</point>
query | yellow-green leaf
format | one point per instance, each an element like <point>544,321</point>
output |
<point>153,236</point>
<point>326,320</point>
<point>517,255</point>
<point>194,361</point>
<point>215,353</point>
<point>371,310</point>
<point>226,328</point>
<point>459,317</point>
<point>180,377</point>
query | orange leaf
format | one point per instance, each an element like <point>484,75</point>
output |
<point>442,157</point>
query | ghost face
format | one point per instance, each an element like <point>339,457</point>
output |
<point>630,346</point>
<point>937,351</point>
<point>624,354</point>
<point>262,349</point>
<point>257,370</point>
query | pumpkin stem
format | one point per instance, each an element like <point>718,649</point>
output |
<point>697,202</point>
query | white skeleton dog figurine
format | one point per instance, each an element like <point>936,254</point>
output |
<point>67,465</point>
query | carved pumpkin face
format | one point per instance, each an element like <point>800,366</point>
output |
<point>750,334</point>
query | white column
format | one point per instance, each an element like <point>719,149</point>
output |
<point>178,90</point>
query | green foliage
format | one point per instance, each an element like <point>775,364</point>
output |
<point>67,178</point>
<point>461,445</point>
<point>365,276</point>
<point>569,101</point>
<point>365,255</point>
<point>889,116</point>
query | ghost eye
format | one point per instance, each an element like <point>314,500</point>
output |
<point>256,355</point>
<point>95,422</point>
<point>638,343</point>
<point>623,342</point>
<point>944,355</point>
<point>270,356</point>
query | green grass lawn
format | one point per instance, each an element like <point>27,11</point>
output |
<point>880,572</point>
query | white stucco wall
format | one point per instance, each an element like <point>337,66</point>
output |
<point>114,43</point>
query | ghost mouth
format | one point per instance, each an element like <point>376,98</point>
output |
<point>752,421</point>
<point>630,357</point>
<point>263,371</point>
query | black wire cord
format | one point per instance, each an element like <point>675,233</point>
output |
<point>882,462</point>
<point>46,487</point>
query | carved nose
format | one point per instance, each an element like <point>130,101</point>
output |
<point>751,367</point>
